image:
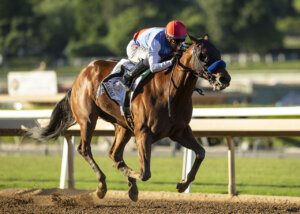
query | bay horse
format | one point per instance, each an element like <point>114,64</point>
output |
<point>150,110</point>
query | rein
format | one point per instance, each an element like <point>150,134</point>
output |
<point>169,103</point>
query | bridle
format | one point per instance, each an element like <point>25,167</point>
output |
<point>201,67</point>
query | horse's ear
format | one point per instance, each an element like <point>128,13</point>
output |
<point>193,39</point>
<point>206,37</point>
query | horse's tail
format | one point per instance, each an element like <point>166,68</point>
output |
<point>61,119</point>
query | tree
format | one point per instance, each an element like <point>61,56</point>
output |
<point>193,20</point>
<point>17,27</point>
<point>290,22</point>
<point>80,27</point>
<point>89,22</point>
<point>122,30</point>
<point>154,13</point>
<point>56,25</point>
<point>237,25</point>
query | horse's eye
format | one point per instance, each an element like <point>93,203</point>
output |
<point>202,57</point>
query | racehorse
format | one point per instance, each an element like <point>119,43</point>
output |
<point>161,107</point>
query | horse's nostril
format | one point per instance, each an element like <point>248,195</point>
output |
<point>225,79</point>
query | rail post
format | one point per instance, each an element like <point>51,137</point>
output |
<point>188,157</point>
<point>231,167</point>
<point>67,164</point>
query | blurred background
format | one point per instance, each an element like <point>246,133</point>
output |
<point>259,40</point>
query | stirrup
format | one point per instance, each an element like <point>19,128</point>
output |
<point>124,85</point>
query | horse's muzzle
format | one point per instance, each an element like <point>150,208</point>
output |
<point>225,81</point>
<point>221,80</point>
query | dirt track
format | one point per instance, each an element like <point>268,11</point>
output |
<point>80,201</point>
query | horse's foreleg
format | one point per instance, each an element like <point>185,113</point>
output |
<point>143,144</point>
<point>122,136</point>
<point>187,139</point>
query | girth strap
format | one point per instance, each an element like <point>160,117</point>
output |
<point>127,111</point>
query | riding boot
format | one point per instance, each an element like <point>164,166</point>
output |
<point>128,78</point>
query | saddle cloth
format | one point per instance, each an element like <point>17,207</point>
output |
<point>112,86</point>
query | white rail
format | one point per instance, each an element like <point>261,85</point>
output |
<point>246,112</point>
<point>197,112</point>
<point>25,113</point>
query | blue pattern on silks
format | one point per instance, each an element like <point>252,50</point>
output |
<point>216,65</point>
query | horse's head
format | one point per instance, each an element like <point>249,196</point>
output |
<point>207,63</point>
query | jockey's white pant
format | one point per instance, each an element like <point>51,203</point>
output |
<point>136,53</point>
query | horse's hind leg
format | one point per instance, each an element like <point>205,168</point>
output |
<point>122,136</point>
<point>87,124</point>
<point>187,139</point>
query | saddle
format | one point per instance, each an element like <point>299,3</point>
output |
<point>113,88</point>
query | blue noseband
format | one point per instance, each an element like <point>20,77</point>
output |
<point>216,65</point>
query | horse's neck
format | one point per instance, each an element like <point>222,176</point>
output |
<point>184,80</point>
<point>184,83</point>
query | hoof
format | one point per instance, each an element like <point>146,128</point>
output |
<point>182,186</point>
<point>145,176</point>
<point>133,191</point>
<point>133,194</point>
<point>101,190</point>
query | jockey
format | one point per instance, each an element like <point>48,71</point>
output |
<point>148,46</point>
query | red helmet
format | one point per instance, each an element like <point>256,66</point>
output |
<point>176,30</point>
